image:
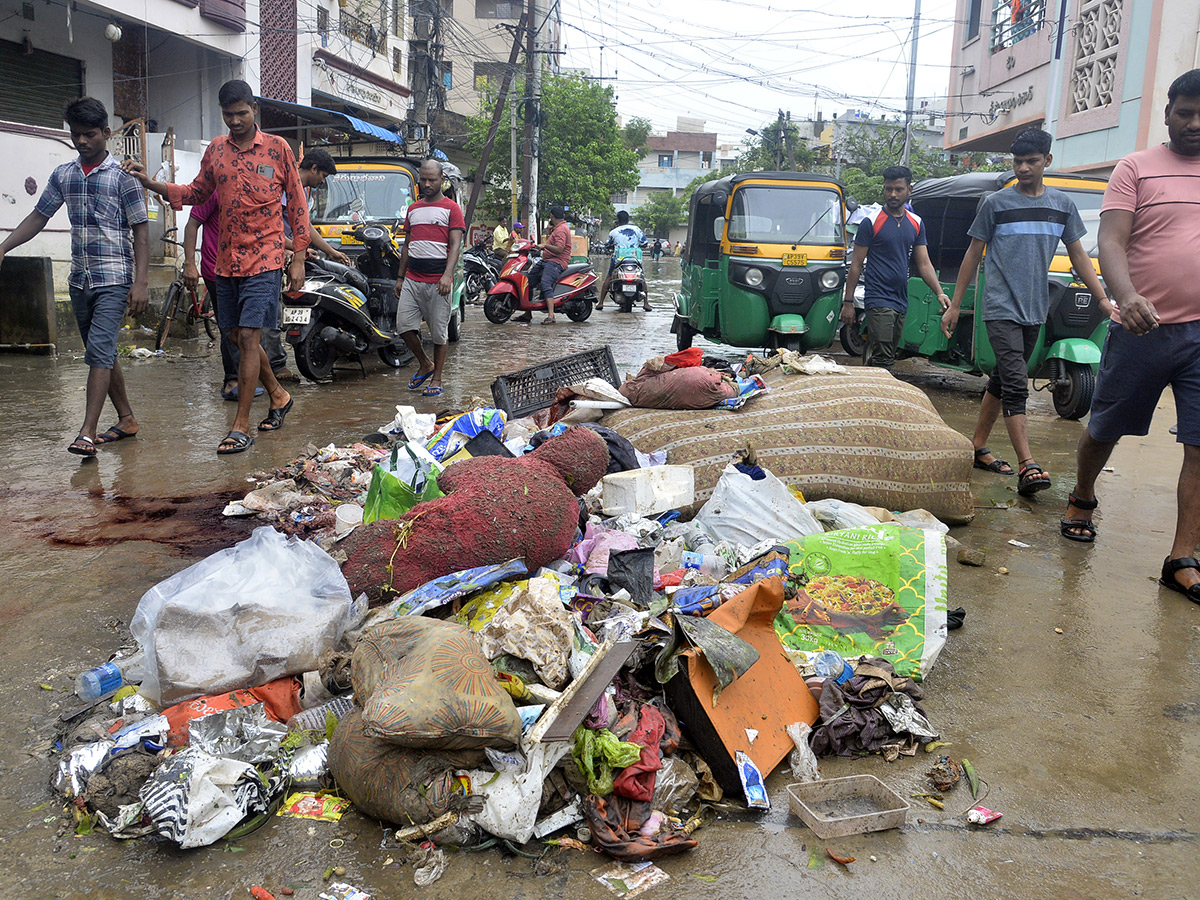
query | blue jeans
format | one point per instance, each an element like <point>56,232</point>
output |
<point>550,272</point>
<point>99,312</point>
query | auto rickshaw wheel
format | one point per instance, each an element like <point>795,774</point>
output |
<point>791,342</point>
<point>497,308</point>
<point>454,327</point>
<point>683,334</point>
<point>852,338</point>
<point>1073,396</point>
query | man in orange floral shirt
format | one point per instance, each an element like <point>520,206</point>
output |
<point>250,172</point>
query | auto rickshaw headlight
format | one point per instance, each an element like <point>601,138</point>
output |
<point>830,279</point>
<point>754,277</point>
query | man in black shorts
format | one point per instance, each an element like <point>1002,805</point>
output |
<point>1149,260</point>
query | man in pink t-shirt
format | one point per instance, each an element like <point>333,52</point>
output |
<point>1149,231</point>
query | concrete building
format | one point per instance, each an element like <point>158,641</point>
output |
<point>1094,73</point>
<point>840,132</point>
<point>671,161</point>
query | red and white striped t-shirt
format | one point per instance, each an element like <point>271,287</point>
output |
<point>427,228</point>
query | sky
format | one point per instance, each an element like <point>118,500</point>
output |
<point>734,64</point>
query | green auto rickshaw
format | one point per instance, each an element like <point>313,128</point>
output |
<point>765,262</point>
<point>1069,345</point>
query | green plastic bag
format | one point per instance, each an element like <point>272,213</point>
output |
<point>401,485</point>
<point>598,753</point>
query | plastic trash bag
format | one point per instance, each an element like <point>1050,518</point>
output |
<point>511,798</point>
<point>836,514</point>
<point>802,760</point>
<point>745,511</point>
<point>401,483</point>
<point>257,611</point>
<point>598,754</point>
<point>451,437</point>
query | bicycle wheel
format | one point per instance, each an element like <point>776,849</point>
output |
<point>208,315</point>
<point>170,308</point>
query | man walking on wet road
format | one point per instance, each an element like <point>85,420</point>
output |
<point>1021,226</point>
<point>1149,231</point>
<point>434,229</point>
<point>249,171</point>
<point>108,269</point>
<point>895,236</point>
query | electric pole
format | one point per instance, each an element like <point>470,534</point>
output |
<point>527,111</point>
<point>912,83</point>
<point>537,23</point>
<point>419,47</point>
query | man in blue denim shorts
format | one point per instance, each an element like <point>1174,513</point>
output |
<point>1150,265</point>
<point>108,266</point>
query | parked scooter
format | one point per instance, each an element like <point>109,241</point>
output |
<point>628,283</point>
<point>574,293</point>
<point>344,311</point>
<point>481,270</point>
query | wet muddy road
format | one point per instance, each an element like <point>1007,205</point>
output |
<point>1087,740</point>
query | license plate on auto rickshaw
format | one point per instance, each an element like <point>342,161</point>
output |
<point>795,259</point>
<point>297,315</point>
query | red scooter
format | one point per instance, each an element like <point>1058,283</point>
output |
<point>574,293</point>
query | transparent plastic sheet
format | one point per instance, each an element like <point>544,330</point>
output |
<point>744,511</point>
<point>260,610</point>
<point>802,760</point>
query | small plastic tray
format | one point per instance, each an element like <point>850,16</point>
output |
<point>852,805</point>
<point>521,393</point>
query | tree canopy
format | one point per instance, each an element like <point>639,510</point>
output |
<point>584,157</point>
<point>661,212</point>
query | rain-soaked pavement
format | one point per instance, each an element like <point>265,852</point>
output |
<point>1088,741</point>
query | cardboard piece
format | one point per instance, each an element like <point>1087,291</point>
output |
<point>766,699</point>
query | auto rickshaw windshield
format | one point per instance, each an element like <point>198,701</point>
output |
<point>786,215</point>
<point>352,196</point>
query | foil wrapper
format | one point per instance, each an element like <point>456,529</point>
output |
<point>244,734</point>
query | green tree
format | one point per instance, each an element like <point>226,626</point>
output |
<point>636,135</point>
<point>584,157</point>
<point>661,212</point>
<point>767,150</point>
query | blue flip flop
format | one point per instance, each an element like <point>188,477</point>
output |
<point>432,391</point>
<point>232,393</point>
<point>414,383</point>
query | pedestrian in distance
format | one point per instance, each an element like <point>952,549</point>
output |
<point>1021,227</point>
<point>891,239</point>
<point>434,230</point>
<point>250,172</point>
<point>556,256</point>
<point>110,259</point>
<point>501,239</point>
<point>1150,265</point>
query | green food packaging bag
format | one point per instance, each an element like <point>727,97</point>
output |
<point>400,485</point>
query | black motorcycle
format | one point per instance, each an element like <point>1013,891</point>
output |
<point>628,284</point>
<point>344,311</point>
<point>481,270</point>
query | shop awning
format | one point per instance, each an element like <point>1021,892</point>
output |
<point>331,119</point>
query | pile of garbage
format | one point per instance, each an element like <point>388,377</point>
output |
<point>513,633</point>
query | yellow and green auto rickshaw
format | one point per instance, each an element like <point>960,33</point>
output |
<point>765,262</point>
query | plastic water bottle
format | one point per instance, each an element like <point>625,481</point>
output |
<point>831,665</point>
<point>314,719</point>
<point>710,564</point>
<point>98,683</point>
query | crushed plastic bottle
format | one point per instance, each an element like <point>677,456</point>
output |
<point>831,665</point>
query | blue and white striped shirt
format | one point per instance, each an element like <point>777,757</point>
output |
<point>102,207</point>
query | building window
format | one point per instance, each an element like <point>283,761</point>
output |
<point>665,161</point>
<point>398,18</point>
<point>974,13</point>
<point>1097,45</point>
<point>322,23</point>
<point>369,27</point>
<point>496,9</point>
<point>620,197</point>
<point>447,75</point>
<point>397,60</point>
<point>488,75</point>
<point>1015,20</point>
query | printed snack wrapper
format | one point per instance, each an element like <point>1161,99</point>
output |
<point>307,805</point>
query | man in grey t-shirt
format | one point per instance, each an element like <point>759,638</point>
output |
<point>1021,226</point>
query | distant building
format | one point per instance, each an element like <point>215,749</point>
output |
<point>1094,73</point>
<point>670,163</point>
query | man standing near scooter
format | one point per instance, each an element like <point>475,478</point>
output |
<point>1021,227</point>
<point>893,237</point>
<point>434,229</point>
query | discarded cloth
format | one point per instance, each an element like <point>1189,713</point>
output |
<point>617,822</point>
<point>852,722</point>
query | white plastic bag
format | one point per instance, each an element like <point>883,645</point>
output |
<point>262,609</point>
<point>744,511</point>
<point>802,760</point>
<point>838,514</point>
<point>511,798</point>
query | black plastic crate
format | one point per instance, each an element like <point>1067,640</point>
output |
<point>521,393</point>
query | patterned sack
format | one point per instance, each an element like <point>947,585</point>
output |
<point>864,437</point>
<point>195,798</point>
<point>424,683</point>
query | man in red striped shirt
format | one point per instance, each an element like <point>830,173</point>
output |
<point>434,229</point>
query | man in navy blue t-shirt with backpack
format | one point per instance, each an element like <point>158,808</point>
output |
<point>891,239</point>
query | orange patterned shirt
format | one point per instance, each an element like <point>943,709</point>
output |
<point>249,185</point>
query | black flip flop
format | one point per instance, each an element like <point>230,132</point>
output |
<point>1170,567</point>
<point>241,441</point>
<point>999,466</point>
<point>118,435</point>
<point>87,448</point>
<point>275,417</point>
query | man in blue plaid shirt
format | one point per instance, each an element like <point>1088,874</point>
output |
<point>108,268</point>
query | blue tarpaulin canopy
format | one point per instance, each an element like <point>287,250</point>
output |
<point>333,119</point>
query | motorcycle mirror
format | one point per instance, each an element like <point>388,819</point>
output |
<point>357,204</point>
